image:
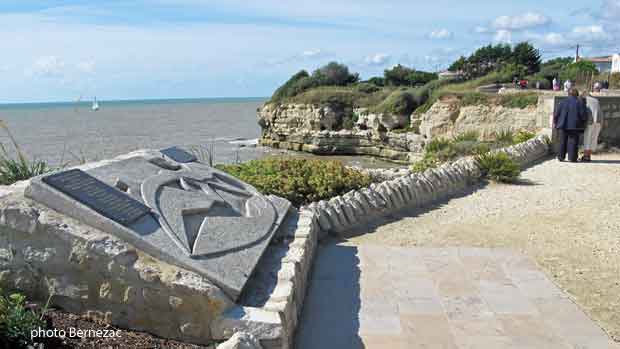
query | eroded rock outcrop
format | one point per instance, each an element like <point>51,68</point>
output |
<point>323,130</point>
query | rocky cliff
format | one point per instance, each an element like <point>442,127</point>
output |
<point>328,131</point>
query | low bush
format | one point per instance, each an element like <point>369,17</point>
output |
<point>504,137</point>
<point>523,136</point>
<point>428,161</point>
<point>301,181</point>
<point>17,321</point>
<point>499,167</point>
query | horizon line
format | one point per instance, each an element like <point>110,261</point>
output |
<point>86,101</point>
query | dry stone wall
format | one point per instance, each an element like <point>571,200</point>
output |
<point>272,305</point>
<point>357,207</point>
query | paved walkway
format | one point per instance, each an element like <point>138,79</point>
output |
<point>390,297</point>
<point>414,280</point>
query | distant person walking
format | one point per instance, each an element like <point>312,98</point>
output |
<point>556,84</point>
<point>593,127</point>
<point>568,119</point>
<point>567,85</point>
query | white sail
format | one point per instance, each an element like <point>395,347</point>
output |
<point>95,106</point>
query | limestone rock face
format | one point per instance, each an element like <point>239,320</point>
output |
<point>241,340</point>
<point>317,130</point>
<point>379,121</point>
<point>446,119</point>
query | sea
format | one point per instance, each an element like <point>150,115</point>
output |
<point>69,133</point>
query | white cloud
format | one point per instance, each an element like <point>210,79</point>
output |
<point>591,33</point>
<point>519,22</point>
<point>481,30</point>
<point>378,59</point>
<point>440,34</point>
<point>87,67</point>
<point>312,53</point>
<point>46,66</point>
<point>503,36</point>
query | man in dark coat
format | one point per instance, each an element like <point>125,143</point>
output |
<point>569,119</point>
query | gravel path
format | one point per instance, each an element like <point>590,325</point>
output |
<point>565,216</point>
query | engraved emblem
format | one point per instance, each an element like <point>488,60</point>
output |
<point>197,206</point>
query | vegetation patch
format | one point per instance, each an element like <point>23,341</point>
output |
<point>16,167</point>
<point>518,100</point>
<point>301,181</point>
<point>442,150</point>
<point>17,321</point>
<point>499,167</point>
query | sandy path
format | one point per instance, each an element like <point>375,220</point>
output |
<point>567,218</point>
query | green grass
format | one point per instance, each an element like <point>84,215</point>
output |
<point>17,167</point>
<point>518,100</point>
<point>301,181</point>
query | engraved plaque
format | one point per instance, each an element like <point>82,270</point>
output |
<point>179,155</point>
<point>97,195</point>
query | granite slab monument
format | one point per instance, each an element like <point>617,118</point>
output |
<point>174,208</point>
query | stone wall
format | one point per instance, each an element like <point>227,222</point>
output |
<point>358,207</point>
<point>272,305</point>
<point>88,272</point>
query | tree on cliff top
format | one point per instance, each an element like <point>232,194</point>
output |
<point>332,74</point>
<point>402,76</point>
<point>493,57</point>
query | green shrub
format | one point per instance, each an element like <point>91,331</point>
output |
<point>523,136</point>
<point>17,321</point>
<point>578,70</point>
<point>436,145</point>
<point>504,137</point>
<point>14,168</point>
<point>467,136</point>
<point>301,181</point>
<point>518,100</point>
<point>499,167</point>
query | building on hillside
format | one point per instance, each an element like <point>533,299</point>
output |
<point>605,64</point>
<point>450,75</point>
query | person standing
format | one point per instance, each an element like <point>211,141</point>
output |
<point>569,118</point>
<point>567,85</point>
<point>556,84</point>
<point>593,128</point>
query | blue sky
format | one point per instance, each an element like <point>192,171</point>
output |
<point>116,49</point>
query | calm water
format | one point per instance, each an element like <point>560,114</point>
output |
<point>72,132</point>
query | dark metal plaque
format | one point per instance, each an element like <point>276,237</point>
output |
<point>179,155</point>
<point>97,195</point>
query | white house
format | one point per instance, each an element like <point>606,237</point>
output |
<point>605,64</point>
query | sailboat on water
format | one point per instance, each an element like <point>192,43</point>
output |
<point>95,106</point>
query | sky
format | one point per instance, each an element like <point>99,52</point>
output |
<point>117,49</point>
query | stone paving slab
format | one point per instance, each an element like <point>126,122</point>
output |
<point>380,297</point>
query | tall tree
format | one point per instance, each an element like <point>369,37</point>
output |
<point>527,55</point>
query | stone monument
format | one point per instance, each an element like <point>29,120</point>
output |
<point>174,208</point>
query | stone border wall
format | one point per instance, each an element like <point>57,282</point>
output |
<point>272,306</point>
<point>357,207</point>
